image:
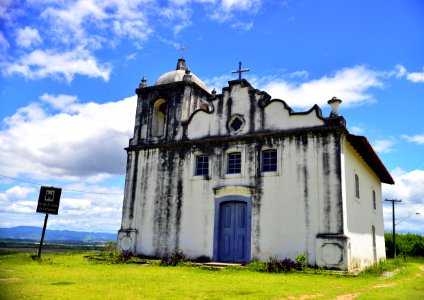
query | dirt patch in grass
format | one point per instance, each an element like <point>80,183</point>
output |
<point>348,296</point>
<point>304,297</point>
<point>10,279</point>
<point>384,285</point>
<point>389,274</point>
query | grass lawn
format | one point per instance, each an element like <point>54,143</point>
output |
<point>71,276</point>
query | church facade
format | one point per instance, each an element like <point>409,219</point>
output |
<point>239,176</point>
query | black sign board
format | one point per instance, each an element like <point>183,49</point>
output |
<point>48,201</point>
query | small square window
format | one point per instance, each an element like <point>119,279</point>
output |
<point>269,160</point>
<point>234,163</point>
<point>202,165</point>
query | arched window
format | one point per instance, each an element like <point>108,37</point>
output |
<point>357,186</point>
<point>374,201</point>
<point>158,118</point>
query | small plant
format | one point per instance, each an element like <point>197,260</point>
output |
<point>277,266</point>
<point>257,266</point>
<point>301,261</point>
<point>112,257</point>
<point>110,246</point>
<point>384,266</point>
<point>177,257</point>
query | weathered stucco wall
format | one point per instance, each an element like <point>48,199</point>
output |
<point>173,209</point>
<point>302,207</point>
<point>361,215</point>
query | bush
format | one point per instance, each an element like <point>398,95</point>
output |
<point>278,266</point>
<point>301,261</point>
<point>406,244</point>
<point>175,258</point>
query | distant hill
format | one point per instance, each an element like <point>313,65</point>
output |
<point>34,233</point>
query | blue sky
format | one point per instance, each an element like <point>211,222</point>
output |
<point>69,70</point>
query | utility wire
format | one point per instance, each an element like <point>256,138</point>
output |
<point>64,189</point>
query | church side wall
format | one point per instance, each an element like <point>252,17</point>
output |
<point>361,215</point>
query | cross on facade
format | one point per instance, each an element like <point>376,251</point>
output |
<point>182,49</point>
<point>240,70</point>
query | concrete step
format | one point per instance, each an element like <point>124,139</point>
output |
<point>221,265</point>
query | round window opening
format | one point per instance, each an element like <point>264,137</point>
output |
<point>236,123</point>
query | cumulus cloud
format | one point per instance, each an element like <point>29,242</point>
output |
<point>90,136</point>
<point>356,130</point>
<point>76,212</point>
<point>73,31</point>
<point>419,138</point>
<point>384,146</point>
<point>352,85</point>
<point>41,64</point>
<point>4,44</point>
<point>416,76</point>
<point>242,26</point>
<point>61,102</point>
<point>409,188</point>
<point>28,37</point>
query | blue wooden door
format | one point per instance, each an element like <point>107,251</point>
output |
<point>233,232</point>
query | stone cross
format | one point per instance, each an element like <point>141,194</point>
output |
<point>240,70</point>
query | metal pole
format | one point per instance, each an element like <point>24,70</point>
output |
<point>42,235</point>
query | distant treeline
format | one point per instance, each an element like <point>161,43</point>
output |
<point>406,244</point>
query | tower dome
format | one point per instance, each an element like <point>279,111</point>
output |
<point>178,75</point>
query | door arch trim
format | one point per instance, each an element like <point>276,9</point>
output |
<point>232,198</point>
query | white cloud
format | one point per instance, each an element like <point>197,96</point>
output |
<point>4,44</point>
<point>356,130</point>
<point>91,138</point>
<point>41,64</point>
<point>419,138</point>
<point>28,37</point>
<point>243,26</point>
<point>226,9</point>
<point>62,102</point>
<point>400,71</point>
<point>384,146</point>
<point>243,5</point>
<point>352,85</point>
<point>416,76</point>
<point>408,187</point>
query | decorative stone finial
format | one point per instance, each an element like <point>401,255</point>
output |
<point>213,92</point>
<point>181,65</point>
<point>143,82</point>
<point>334,102</point>
<point>187,75</point>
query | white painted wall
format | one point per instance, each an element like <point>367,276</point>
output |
<point>361,215</point>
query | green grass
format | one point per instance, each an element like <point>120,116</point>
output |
<point>71,276</point>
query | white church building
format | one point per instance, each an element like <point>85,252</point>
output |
<point>239,176</point>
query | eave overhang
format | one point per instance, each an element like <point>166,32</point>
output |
<point>364,149</point>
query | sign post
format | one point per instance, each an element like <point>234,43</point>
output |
<point>48,203</point>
